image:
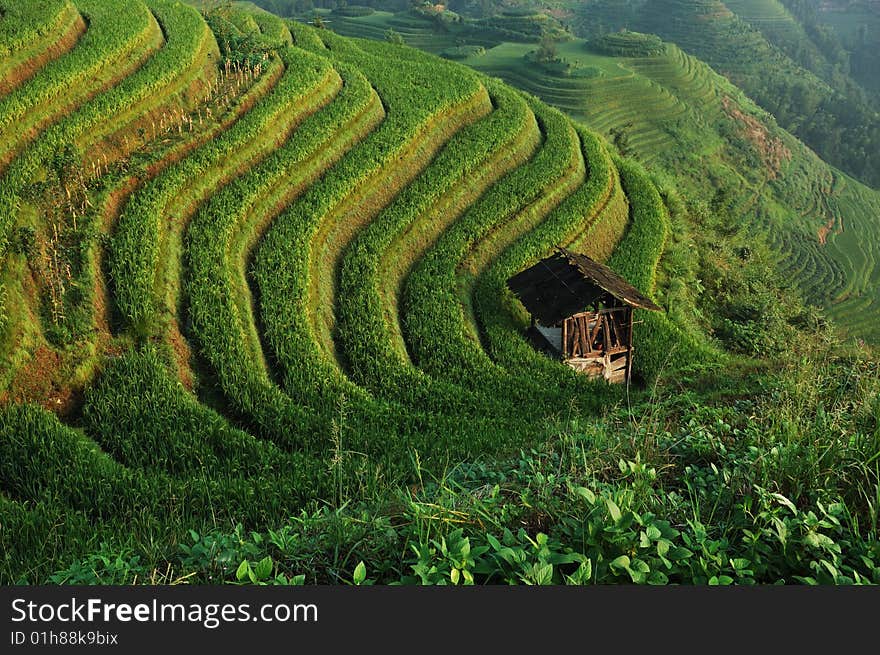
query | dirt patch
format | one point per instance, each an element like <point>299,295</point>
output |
<point>772,150</point>
<point>834,224</point>
<point>36,382</point>
<point>182,355</point>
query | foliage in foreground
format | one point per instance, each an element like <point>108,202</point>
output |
<point>781,486</point>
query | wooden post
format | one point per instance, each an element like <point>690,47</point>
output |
<point>629,346</point>
<point>583,333</point>
<point>596,329</point>
<point>606,333</point>
<point>564,339</point>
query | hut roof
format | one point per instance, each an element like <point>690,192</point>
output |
<point>567,283</point>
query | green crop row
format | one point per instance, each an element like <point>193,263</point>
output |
<point>223,327</point>
<point>189,51</point>
<point>188,40</point>
<point>44,463</point>
<point>377,186</point>
<point>367,326</point>
<point>145,280</point>
<point>41,459</point>
<point>434,322</point>
<point>305,37</point>
<point>113,37</point>
<point>659,343</point>
<point>380,429</point>
<point>288,259</point>
<point>128,412</point>
<point>487,248</point>
<point>26,22</point>
<point>33,33</point>
<point>187,37</point>
<point>144,418</point>
<point>273,28</point>
<point>495,306</point>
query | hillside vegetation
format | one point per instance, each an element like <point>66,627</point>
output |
<point>725,155</point>
<point>254,324</point>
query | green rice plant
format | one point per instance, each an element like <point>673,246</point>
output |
<point>219,306</point>
<point>272,27</point>
<point>297,258</point>
<point>188,47</point>
<point>439,337</point>
<point>47,464</point>
<point>583,214</point>
<point>32,33</point>
<point>305,37</point>
<point>661,343</point>
<point>26,22</point>
<point>145,258</point>
<point>88,68</point>
<point>376,264</point>
<point>146,420</point>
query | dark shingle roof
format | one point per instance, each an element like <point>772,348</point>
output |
<point>567,283</point>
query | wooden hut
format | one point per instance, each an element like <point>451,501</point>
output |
<point>582,312</point>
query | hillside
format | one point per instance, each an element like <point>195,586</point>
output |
<point>807,63</point>
<point>254,314</point>
<point>819,222</point>
<point>857,28</point>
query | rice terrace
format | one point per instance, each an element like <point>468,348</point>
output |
<point>501,292</point>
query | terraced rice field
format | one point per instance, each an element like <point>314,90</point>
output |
<point>792,207</point>
<point>218,275</point>
<point>601,91</point>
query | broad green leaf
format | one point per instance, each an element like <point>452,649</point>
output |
<point>360,573</point>
<point>586,494</point>
<point>543,574</point>
<point>657,578</point>
<point>719,580</point>
<point>640,565</point>
<point>785,501</point>
<point>621,562</point>
<point>263,569</point>
<point>613,509</point>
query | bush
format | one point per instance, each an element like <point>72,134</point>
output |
<point>628,44</point>
<point>463,52</point>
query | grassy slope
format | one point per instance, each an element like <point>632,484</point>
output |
<point>687,135</point>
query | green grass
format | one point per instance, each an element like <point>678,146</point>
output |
<point>224,231</point>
